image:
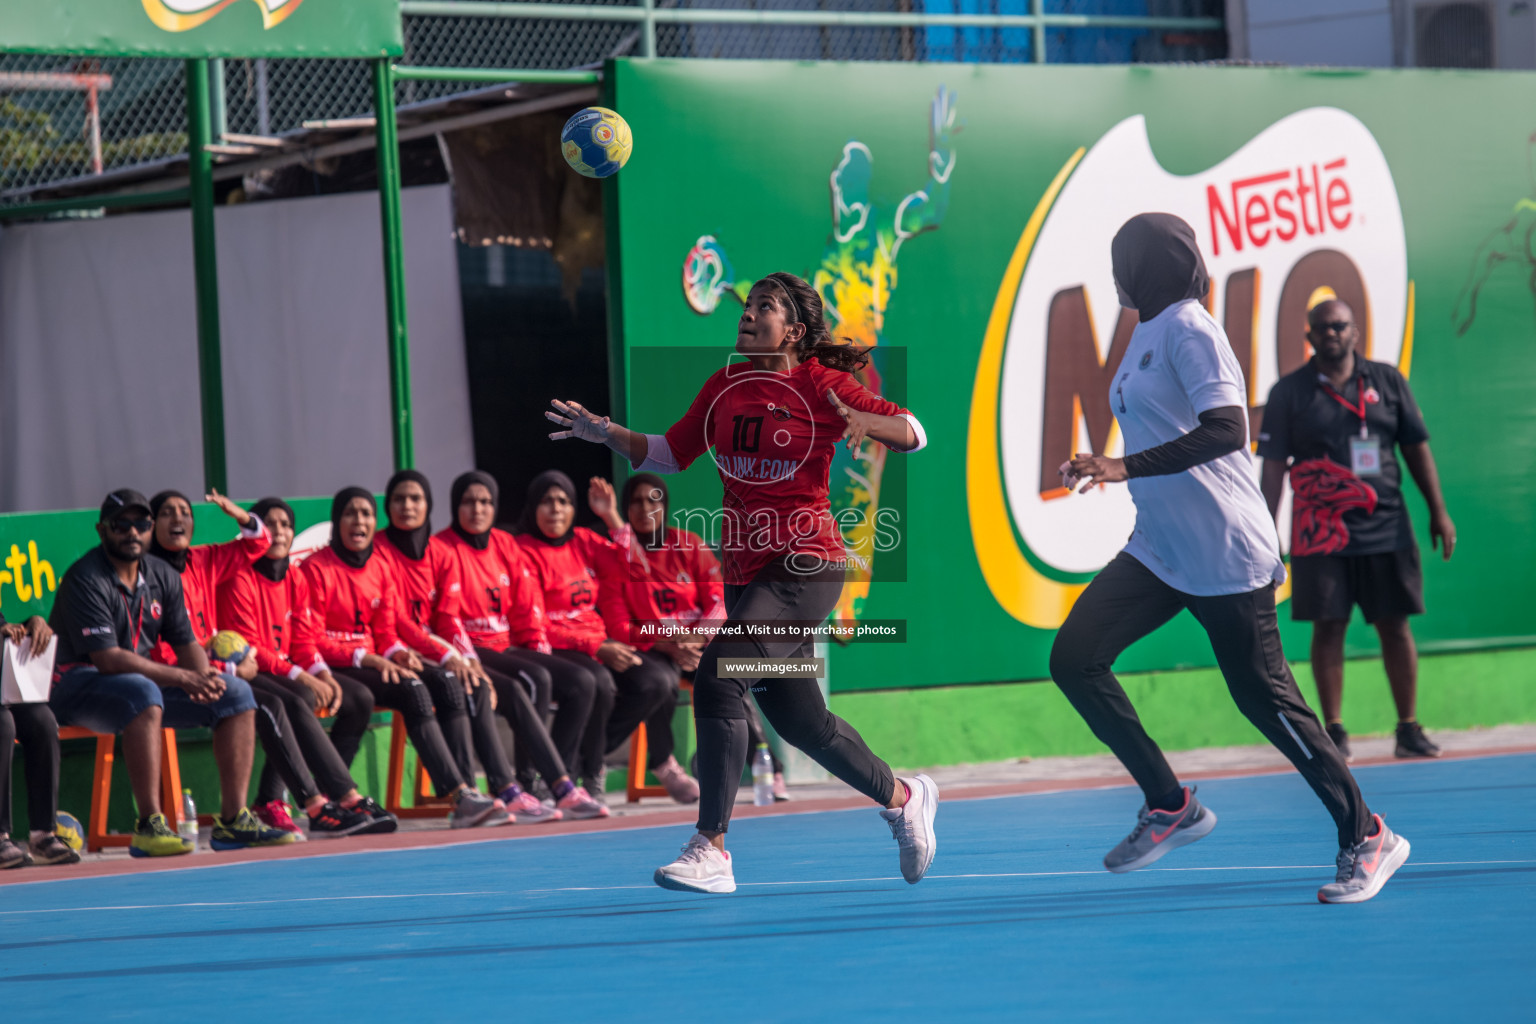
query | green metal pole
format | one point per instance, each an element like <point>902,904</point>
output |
<point>210,370</point>
<point>394,262</point>
<point>1037,34</point>
<point>648,29</point>
<point>219,116</point>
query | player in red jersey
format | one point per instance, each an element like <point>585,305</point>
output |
<point>268,604</point>
<point>355,596</point>
<point>203,570</point>
<point>582,581</point>
<point>773,423</point>
<point>500,604</point>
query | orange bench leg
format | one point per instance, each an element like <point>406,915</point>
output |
<point>101,795</point>
<point>394,786</point>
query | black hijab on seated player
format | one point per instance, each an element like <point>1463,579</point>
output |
<point>177,559</point>
<point>1157,263</point>
<point>656,538</point>
<point>356,559</point>
<point>410,543</point>
<point>273,569</point>
<point>478,541</point>
<point>528,522</point>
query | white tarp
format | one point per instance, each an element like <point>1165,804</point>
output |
<point>98,352</point>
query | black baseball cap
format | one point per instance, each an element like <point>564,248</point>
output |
<point>121,500</point>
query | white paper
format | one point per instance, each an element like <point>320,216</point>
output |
<point>23,679</point>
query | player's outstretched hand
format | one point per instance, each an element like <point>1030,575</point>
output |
<point>857,424</point>
<point>580,423</point>
<point>1093,469</point>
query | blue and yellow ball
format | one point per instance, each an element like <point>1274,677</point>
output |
<point>229,647</point>
<point>69,829</point>
<point>595,142</point>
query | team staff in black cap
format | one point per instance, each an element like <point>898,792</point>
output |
<point>1333,425</point>
<point>112,607</point>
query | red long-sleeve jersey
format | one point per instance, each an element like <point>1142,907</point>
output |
<point>276,618</point>
<point>501,602</point>
<point>582,582</point>
<point>678,583</point>
<point>421,588</point>
<point>209,566</point>
<point>355,608</point>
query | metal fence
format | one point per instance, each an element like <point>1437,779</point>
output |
<point>48,124</point>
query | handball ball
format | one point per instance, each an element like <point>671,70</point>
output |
<point>68,828</point>
<point>229,646</point>
<point>595,142</point>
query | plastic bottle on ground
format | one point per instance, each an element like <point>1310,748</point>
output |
<point>188,825</point>
<point>762,776</point>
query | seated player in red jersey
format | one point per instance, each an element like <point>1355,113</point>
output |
<point>268,604</point>
<point>581,577</point>
<point>203,569</point>
<point>499,603</point>
<point>354,594</point>
<point>772,423</point>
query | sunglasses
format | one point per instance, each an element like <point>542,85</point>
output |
<point>1336,326</point>
<point>134,525</point>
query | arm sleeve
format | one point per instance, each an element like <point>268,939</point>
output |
<point>1411,428</point>
<point>1206,367</point>
<point>304,648</point>
<point>688,438</point>
<point>658,456</point>
<point>238,611</point>
<point>1220,431</point>
<point>1275,431</point>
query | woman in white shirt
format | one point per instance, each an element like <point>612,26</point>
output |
<point>1203,541</point>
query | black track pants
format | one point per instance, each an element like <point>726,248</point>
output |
<point>350,723</point>
<point>794,707</point>
<point>569,685</point>
<point>38,731</point>
<point>588,763</point>
<point>413,700</point>
<point>305,760</point>
<point>647,693</point>
<point>514,686</point>
<point>469,727</point>
<point>1124,603</point>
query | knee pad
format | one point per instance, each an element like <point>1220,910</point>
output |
<point>418,702</point>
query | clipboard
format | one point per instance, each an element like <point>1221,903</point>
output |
<point>23,679</point>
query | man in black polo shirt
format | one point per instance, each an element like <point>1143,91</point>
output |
<point>112,606</point>
<point>1334,424</point>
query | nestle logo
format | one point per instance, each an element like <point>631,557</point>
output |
<point>1280,205</point>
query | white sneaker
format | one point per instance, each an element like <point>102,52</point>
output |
<point>1365,867</point>
<point>912,826</point>
<point>701,868</point>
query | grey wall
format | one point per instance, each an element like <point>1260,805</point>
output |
<point>98,351</point>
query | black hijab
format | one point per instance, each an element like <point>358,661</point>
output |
<point>273,569</point>
<point>356,559</point>
<point>177,559</point>
<point>658,538</point>
<point>412,543</point>
<point>478,541</point>
<point>528,522</point>
<point>1157,261</point>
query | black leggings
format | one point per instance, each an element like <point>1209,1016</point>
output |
<point>1124,603</point>
<point>571,686</point>
<point>515,687</point>
<point>350,723</point>
<point>794,707</point>
<point>296,744</point>
<point>413,699</point>
<point>38,731</point>
<point>647,693</point>
<point>594,734</point>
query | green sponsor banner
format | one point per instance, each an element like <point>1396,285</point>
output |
<point>37,548</point>
<point>960,216</point>
<point>203,28</point>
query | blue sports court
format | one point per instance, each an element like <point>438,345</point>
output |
<point>1015,921</point>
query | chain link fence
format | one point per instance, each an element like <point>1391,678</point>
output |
<point>46,133</point>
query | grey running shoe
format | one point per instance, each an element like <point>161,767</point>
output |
<point>472,809</point>
<point>1340,740</point>
<point>1365,867</point>
<point>1157,832</point>
<point>13,854</point>
<point>700,868</point>
<point>680,786</point>
<point>912,827</point>
<point>1411,741</point>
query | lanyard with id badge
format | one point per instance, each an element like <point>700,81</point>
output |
<point>1365,450</point>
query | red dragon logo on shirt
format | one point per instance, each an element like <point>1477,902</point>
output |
<point>1324,491</point>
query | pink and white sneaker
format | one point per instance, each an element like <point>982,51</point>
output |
<point>680,786</point>
<point>275,814</point>
<point>526,809</point>
<point>578,805</point>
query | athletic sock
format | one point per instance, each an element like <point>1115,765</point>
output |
<point>1172,800</point>
<point>510,793</point>
<point>561,788</point>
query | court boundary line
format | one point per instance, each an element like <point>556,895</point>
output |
<point>415,841</point>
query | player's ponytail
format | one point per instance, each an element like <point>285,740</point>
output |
<point>802,305</point>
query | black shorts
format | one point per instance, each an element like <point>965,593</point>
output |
<point>1385,586</point>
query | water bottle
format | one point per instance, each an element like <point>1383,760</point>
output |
<point>762,776</point>
<point>188,826</point>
